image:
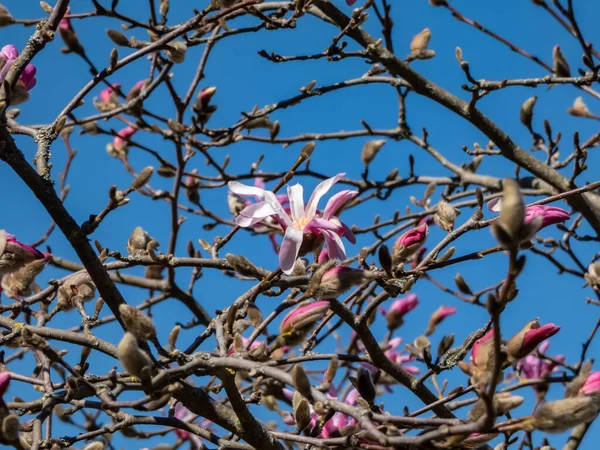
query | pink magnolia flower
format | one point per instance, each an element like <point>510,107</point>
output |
<point>399,308</point>
<point>15,254</point>
<point>400,358</point>
<point>121,140</point>
<point>339,420</point>
<point>185,415</point>
<point>550,215</point>
<point>304,223</point>
<point>110,95</point>
<point>533,367</point>
<point>526,340</point>
<point>4,382</point>
<point>27,80</point>
<point>409,243</point>
<point>591,385</point>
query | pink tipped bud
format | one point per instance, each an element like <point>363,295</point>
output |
<point>409,243</point>
<point>526,340</point>
<point>591,384</point>
<point>15,254</point>
<point>438,316</point>
<point>121,140</point>
<point>301,320</point>
<point>550,214</point>
<point>399,308</point>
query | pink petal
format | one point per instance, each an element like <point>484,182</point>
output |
<point>335,246</point>
<point>337,201</point>
<point>320,191</point>
<point>288,252</point>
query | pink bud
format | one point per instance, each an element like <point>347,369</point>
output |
<point>486,337</point>
<point>323,256</point>
<point>398,309</point>
<point>206,94</point>
<point>526,340</point>
<point>109,95</point>
<point>591,384</point>
<point>121,140</point>
<point>441,313</point>
<point>4,382</point>
<point>550,214</point>
<point>304,316</point>
<point>409,243</point>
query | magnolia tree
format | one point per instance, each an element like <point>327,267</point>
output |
<point>272,318</point>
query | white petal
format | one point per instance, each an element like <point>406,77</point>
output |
<point>279,211</point>
<point>320,191</point>
<point>253,214</point>
<point>296,198</point>
<point>242,189</point>
<point>288,251</point>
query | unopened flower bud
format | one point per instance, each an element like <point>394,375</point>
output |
<point>526,340</point>
<point>395,315</point>
<point>21,283</point>
<point>462,285</point>
<point>445,216</point>
<point>301,411</point>
<point>561,415</point>
<point>133,358</point>
<point>338,280</point>
<point>527,111</point>
<point>173,335</point>
<point>176,51</point>
<point>96,445</point>
<point>370,150</point>
<point>363,383</point>
<point>409,243</point>
<point>301,381</point>
<point>437,317</point>
<point>560,65</point>
<point>143,177</point>
<point>592,276</point>
<point>301,320</point>
<point>331,369</point>
<point>77,287</point>
<point>137,323</point>
<point>503,402</point>
<point>140,243</point>
<point>14,254</point>
<point>418,45</point>
<point>10,428</point>
<point>118,38</point>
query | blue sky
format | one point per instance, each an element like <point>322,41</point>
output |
<point>244,79</point>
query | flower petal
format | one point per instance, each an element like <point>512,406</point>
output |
<point>279,211</point>
<point>242,189</point>
<point>296,197</point>
<point>252,214</point>
<point>317,225</point>
<point>348,233</point>
<point>495,204</point>
<point>320,191</point>
<point>288,252</point>
<point>335,246</point>
<point>337,201</point>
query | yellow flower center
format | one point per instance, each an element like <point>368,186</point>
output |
<point>300,224</point>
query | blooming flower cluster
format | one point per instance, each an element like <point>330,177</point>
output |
<point>305,227</point>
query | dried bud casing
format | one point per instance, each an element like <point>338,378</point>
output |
<point>133,358</point>
<point>419,44</point>
<point>10,428</point>
<point>363,383</point>
<point>173,335</point>
<point>137,323</point>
